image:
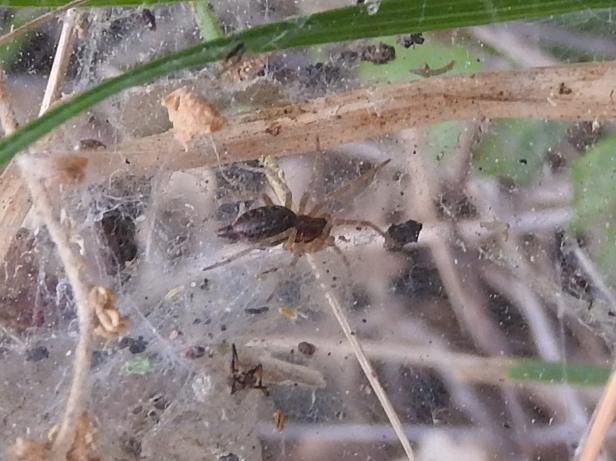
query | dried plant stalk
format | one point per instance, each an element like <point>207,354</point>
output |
<point>568,92</point>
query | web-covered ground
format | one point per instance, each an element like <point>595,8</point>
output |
<point>496,272</point>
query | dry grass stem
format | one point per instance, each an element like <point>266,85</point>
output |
<point>605,412</point>
<point>601,422</point>
<point>74,267</point>
<point>568,92</point>
<point>61,59</point>
<point>366,367</point>
<point>467,367</point>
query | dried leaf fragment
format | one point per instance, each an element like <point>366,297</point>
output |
<point>82,449</point>
<point>110,322</point>
<point>279,420</point>
<point>191,115</point>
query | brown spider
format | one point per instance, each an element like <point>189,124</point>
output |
<point>300,232</point>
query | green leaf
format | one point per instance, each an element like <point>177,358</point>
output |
<point>443,136</point>
<point>594,187</point>
<point>393,17</point>
<point>138,366</point>
<point>433,53</point>
<point>515,149</point>
<point>558,372</point>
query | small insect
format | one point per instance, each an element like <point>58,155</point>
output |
<point>249,379</point>
<point>300,232</point>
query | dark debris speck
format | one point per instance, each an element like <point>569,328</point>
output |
<point>36,354</point>
<point>229,457</point>
<point>410,40</point>
<point>135,346</point>
<point>195,352</point>
<point>378,54</point>
<point>403,233</point>
<point>256,310</point>
<point>306,348</point>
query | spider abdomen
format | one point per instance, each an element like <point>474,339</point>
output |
<point>259,223</point>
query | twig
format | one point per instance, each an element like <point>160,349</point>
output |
<point>73,266</point>
<point>366,367</point>
<point>38,21</point>
<point>602,420</point>
<point>61,59</point>
<point>568,92</point>
<point>605,412</point>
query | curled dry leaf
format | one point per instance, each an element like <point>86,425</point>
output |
<point>82,449</point>
<point>110,322</point>
<point>191,115</point>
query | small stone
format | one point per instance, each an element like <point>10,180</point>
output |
<point>306,348</point>
<point>36,354</point>
<point>195,352</point>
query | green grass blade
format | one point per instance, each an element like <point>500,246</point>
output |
<point>554,372</point>
<point>393,17</point>
<point>97,3</point>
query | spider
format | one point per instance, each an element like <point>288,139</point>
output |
<point>300,231</point>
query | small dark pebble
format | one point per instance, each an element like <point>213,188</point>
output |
<point>223,327</point>
<point>135,346</point>
<point>229,457</point>
<point>98,358</point>
<point>256,310</point>
<point>378,54</point>
<point>523,161</point>
<point>195,352</point>
<point>36,354</point>
<point>306,348</point>
<point>408,41</point>
<point>403,233</point>
<point>205,284</point>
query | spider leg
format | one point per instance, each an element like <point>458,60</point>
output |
<point>302,203</point>
<point>361,223</point>
<point>267,200</point>
<point>364,178</point>
<point>336,249</point>
<point>288,198</point>
<point>262,245</point>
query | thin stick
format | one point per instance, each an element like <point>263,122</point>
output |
<point>38,21</point>
<point>600,423</point>
<point>605,412</point>
<point>61,59</point>
<point>364,363</point>
<point>568,92</point>
<point>73,266</point>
